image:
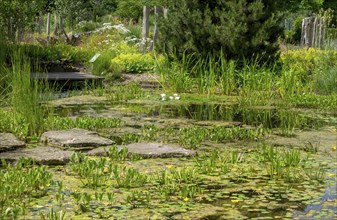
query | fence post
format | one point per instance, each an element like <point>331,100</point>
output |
<point>313,32</point>
<point>145,28</point>
<point>158,12</point>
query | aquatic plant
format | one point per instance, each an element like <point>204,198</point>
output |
<point>92,173</point>
<point>116,154</point>
<point>53,215</point>
<point>19,184</point>
<point>84,122</point>
<point>214,163</point>
<point>82,200</point>
<point>139,198</point>
<point>125,93</point>
<point>128,177</point>
<point>311,147</point>
<point>59,194</point>
<point>315,173</point>
<point>27,106</point>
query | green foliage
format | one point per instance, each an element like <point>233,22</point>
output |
<point>300,67</point>
<point>125,93</point>
<point>136,62</point>
<point>85,26</point>
<point>326,82</point>
<point>129,9</point>
<point>24,98</point>
<point>59,53</point>
<point>133,9</point>
<point>238,29</point>
<point>19,184</point>
<point>84,122</point>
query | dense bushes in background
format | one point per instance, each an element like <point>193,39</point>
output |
<point>239,29</point>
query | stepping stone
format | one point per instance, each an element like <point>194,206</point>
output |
<point>9,142</point>
<point>148,150</point>
<point>75,138</point>
<point>41,155</point>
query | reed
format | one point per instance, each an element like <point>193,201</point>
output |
<point>26,98</point>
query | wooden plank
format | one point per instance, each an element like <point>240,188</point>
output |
<point>65,76</point>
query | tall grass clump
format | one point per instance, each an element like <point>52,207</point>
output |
<point>326,83</point>
<point>3,78</point>
<point>175,75</point>
<point>215,75</point>
<point>26,97</point>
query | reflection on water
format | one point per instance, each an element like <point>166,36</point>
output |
<point>265,117</point>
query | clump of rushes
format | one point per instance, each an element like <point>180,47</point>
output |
<point>27,104</point>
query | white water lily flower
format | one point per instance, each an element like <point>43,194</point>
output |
<point>171,97</point>
<point>177,98</point>
<point>175,95</point>
<point>163,99</point>
<point>163,95</point>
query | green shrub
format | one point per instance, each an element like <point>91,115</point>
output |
<point>238,29</point>
<point>86,26</point>
<point>136,62</point>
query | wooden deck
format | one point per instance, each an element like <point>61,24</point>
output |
<point>68,80</point>
<point>65,76</point>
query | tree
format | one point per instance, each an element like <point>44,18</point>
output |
<point>133,9</point>
<point>16,15</point>
<point>239,29</point>
<point>331,4</point>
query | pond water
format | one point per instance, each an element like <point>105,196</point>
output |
<point>236,182</point>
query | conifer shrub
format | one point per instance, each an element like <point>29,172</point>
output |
<point>240,29</point>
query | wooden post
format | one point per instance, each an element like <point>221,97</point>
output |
<point>313,32</point>
<point>158,12</point>
<point>145,28</point>
<point>48,25</point>
<point>165,12</point>
<point>307,32</point>
<point>55,25</point>
<point>60,22</point>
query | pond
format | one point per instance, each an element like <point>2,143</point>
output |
<point>252,163</point>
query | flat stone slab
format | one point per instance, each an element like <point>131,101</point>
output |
<point>9,142</point>
<point>41,155</point>
<point>148,150</point>
<point>76,137</point>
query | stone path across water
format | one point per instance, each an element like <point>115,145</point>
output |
<point>75,138</point>
<point>9,142</point>
<point>41,155</point>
